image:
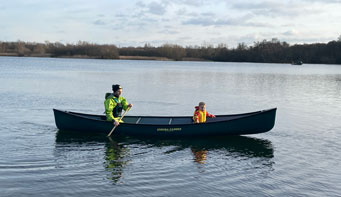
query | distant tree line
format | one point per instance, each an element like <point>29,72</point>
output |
<point>47,49</point>
<point>272,51</point>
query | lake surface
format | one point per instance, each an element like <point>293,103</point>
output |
<point>300,156</point>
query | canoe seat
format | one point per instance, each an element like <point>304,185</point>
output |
<point>158,120</point>
<point>182,120</point>
<point>130,119</point>
<point>138,120</point>
<point>154,120</point>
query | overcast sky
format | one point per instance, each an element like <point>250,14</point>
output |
<point>183,22</point>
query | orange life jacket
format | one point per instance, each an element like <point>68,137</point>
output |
<point>200,115</point>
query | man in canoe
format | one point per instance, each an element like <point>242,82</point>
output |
<point>200,113</point>
<point>114,104</point>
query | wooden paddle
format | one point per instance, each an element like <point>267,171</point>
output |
<point>112,130</point>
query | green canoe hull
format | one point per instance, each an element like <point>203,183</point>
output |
<point>180,126</point>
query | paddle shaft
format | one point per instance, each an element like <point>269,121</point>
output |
<point>112,130</point>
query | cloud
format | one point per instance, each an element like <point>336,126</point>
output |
<point>160,21</point>
<point>168,31</point>
<point>195,3</point>
<point>140,4</point>
<point>192,3</point>
<point>276,9</point>
<point>324,1</point>
<point>155,8</point>
<point>210,21</point>
<point>181,11</point>
<point>120,15</point>
<point>292,32</point>
<point>200,21</point>
<point>99,22</point>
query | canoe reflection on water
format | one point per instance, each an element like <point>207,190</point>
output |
<point>118,149</point>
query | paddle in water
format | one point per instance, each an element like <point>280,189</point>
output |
<point>112,130</point>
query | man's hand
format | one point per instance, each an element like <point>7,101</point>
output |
<point>130,105</point>
<point>116,123</point>
<point>197,121</point>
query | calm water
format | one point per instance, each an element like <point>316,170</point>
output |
<point>299,157</point>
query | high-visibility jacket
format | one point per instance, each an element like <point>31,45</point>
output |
<point>113,106</point>
<point>201,115</point>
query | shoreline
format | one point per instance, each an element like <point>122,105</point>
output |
<point>121,57</point>
<point>143,58</point>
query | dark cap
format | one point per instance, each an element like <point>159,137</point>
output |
<point>202,103</point>
<point>116,87</point>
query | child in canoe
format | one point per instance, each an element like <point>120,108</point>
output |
<point>200,113</point>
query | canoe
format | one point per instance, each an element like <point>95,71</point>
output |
<point>164,126</point>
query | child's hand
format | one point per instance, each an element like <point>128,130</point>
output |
<point>213,116</point>
<point>197,121</point>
